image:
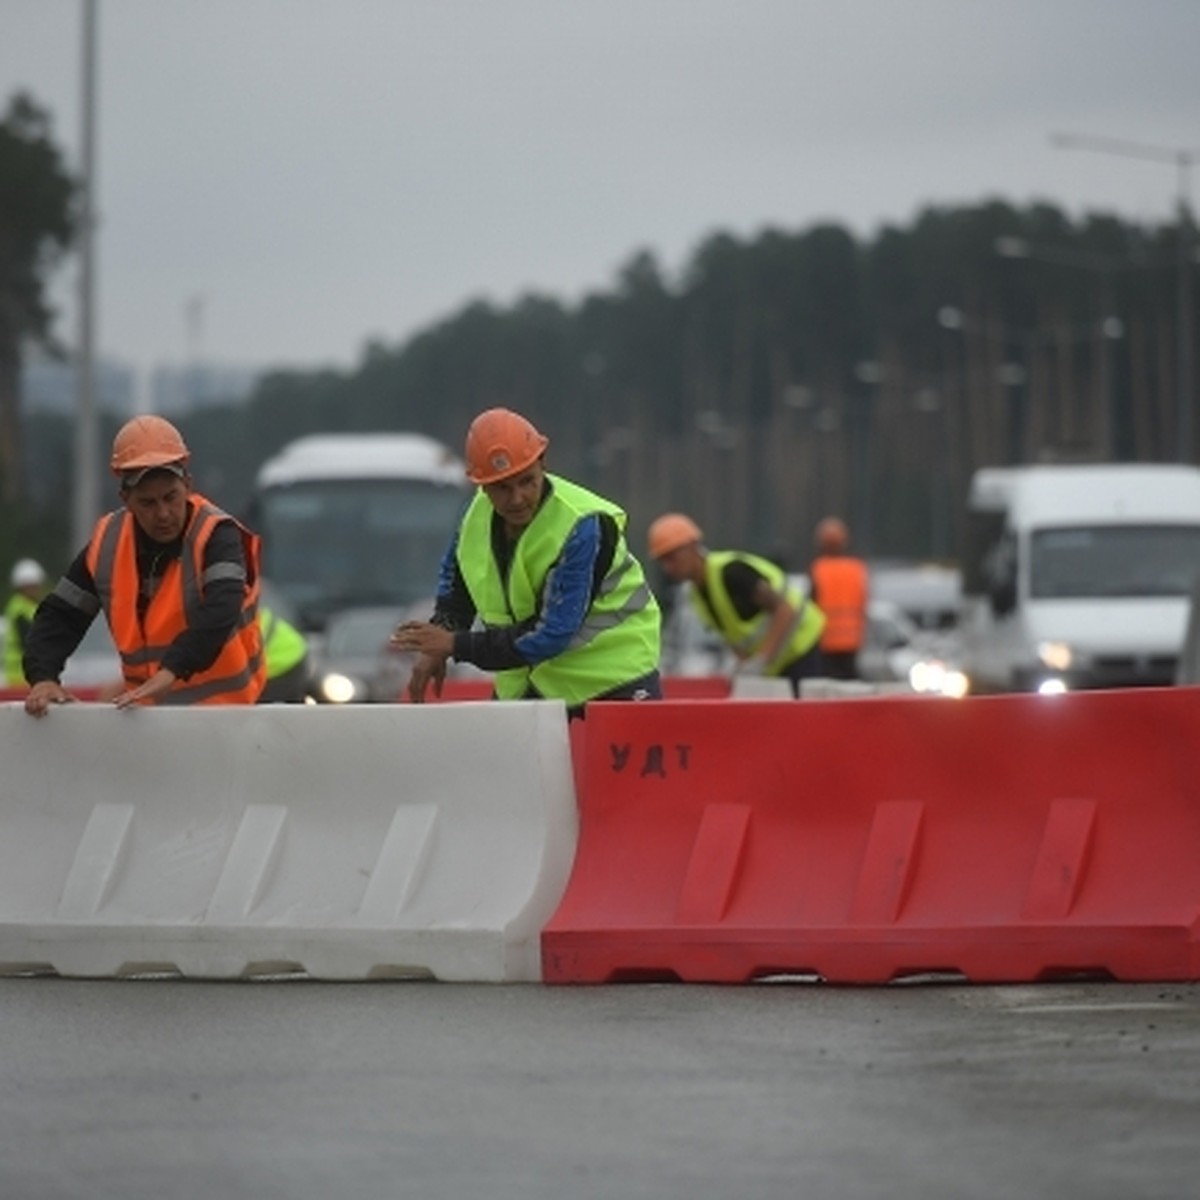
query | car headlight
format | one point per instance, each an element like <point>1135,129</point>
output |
<point>1052,687</point>
<point>1057,656</point>
<point>932,677</point>
<point>336,688</point>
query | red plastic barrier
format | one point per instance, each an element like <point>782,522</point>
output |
<point>454,690</point>
<point>1010,838</point>
<point>697,687</point>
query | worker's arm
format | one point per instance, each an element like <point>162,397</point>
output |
<point>751,593</point>
<point>567,596</point>
<point>59,624</point>
<point>56,630</point>
<point>783,617</point>
<point>223,592</point>
<point>453,607</point>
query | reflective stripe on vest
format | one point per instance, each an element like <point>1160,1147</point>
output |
<point>618,640</point>
<point>747,636</point>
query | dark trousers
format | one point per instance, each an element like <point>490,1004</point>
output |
<point>841,664</point>
<point>807,666</point>
<point>289,688</point>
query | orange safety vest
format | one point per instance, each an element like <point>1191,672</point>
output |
<point>239,672</point>
<point>840,587</point>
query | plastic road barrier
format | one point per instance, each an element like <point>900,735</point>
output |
<point>1010,838</point>
<point>675,687</point>
<point>347,842</point>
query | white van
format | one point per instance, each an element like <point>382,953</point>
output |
<point>1078,576</point>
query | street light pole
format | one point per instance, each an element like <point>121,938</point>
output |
<point>86,492</point>
<point>1183,160</point>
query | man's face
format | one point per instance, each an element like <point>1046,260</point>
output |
<point>159,505</point>
<point>516,498</point>
<point>680,564</point>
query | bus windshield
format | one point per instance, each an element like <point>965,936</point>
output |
<point>1114,561</point>
<point>345,543</point>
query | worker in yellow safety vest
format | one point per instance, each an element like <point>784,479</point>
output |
<point>768,623</point>
<point>543,565</point>
<point>27,581</point>
<point>286,651</point>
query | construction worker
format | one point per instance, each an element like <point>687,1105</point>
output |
<point>565,609</point>
<point>176,578</point>
<point>839,585</point>
<point>285,649</point>
<point>768,623</point>
<point>27,582</point>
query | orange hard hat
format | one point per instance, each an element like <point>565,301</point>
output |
<point>146,442</point>
<point>832,535</point>
<point>501,443</point>
<point>670,531</point>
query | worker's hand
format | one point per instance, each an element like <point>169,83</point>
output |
<point>424,638</point>
<point>157,685</point>
<point>429,668</point>
<point>43,694</point>
<point>753,666</point>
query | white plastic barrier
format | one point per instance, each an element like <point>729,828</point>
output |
<point>760,687</point>
<point>850,689</point>
<point>348,843</point>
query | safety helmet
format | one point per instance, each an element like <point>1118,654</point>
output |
<point>501,443</point>
<point>27,572</point>
<point>832,535</point>
<point>670,531</point>
<point>147,442</point>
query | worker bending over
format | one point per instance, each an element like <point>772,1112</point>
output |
<point>176,578</point>
<point>543,563</point>
<point>768,623</point>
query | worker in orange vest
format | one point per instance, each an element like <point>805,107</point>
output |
<point>840,585</point>
<point>176,578</point>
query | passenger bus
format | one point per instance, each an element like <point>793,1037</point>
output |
<point>349,520</point>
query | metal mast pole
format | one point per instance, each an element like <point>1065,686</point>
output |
<point>86,435</point>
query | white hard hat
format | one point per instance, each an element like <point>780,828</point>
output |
<point>27,573</point>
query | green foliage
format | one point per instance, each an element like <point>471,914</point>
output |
<point>777,378</point>
<point>37,218</point>
<point>37,222</point>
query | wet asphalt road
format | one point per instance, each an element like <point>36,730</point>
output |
<point>171,1089</point>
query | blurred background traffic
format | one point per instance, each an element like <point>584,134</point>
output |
<point>839,284</point>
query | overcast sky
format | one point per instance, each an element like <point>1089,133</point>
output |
<point>316,173</point>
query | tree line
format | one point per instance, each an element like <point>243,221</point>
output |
<point>770,380</point>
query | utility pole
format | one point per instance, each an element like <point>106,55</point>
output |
<point>86,495</point>
<point>1183,160</point>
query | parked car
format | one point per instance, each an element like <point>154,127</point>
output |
<point>354,663</point>
<point>896,649</point>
